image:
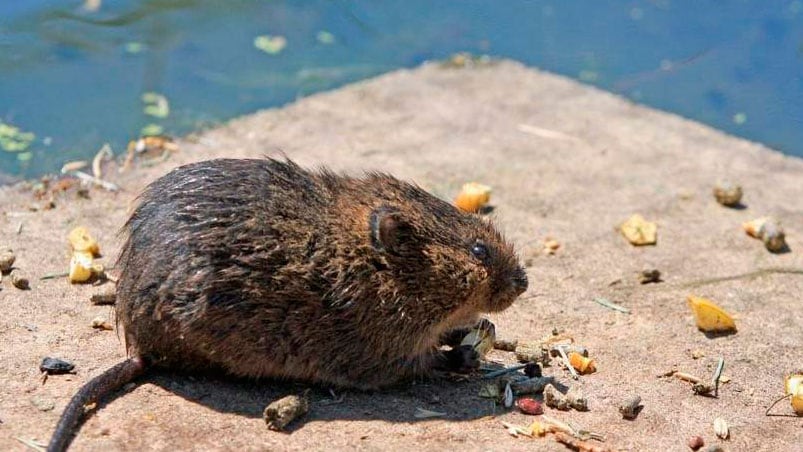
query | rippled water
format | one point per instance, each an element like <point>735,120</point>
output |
<point>73,74</point>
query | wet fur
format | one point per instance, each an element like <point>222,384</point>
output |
<point>263,269</point>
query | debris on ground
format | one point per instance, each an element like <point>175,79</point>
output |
<point>769,231</point>
<point>56,366</point>
<point>572,399</point>
<point>282,412</point>
<point>652,275</point>
<point>630,407</point>
<point>721,428</point>
<point>472,197</point>
<point>7,259</point>
<point>696,442</point>
<point>19,281</point>
<point>639,231</point>
<point>709,317</point>
<point>727,193</point>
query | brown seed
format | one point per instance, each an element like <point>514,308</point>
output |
<point>649,276</point>
<point>99,323</point>
<point>506,345</point>
<point>7,259</point>
<point>285,410</point>
<point>696,442</point>
<point>728,193</point>
<point>529,405</point>
<point>19,281</point>
<point>104,298</point>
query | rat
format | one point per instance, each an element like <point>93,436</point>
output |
<point>262,269</point>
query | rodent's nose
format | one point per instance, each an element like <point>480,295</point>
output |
<point>519,281</point>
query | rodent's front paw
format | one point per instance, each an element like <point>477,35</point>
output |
<point>462,359</point>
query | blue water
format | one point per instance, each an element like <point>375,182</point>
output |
<point>74,78</point>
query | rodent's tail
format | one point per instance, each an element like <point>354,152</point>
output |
<point>98,387</point>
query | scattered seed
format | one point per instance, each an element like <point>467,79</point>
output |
<point>505,345</point>
<point>99,323</point>
<point>104,298</point>
<point>728,193</point>
<point>721,428</point>
<point>7,259</point>
<point>649,276</point>
<point>282,412</point>
<point>630,408</point>
<point>55,366</point>
<point>19,281</point>
<point>535,352</point>
<point>696,442</point>
<point>555,399</point>
<point>528,405</point>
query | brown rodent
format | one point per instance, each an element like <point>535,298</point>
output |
<point>260,268</point>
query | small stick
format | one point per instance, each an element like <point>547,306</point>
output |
<point>19,228</point>
<point>566,362</point>
<point>611,305</point>
<point>767,413</point>
<point>578,445</point>
<point>500,372</point>
<point>54,275</point>
<point>687,377</point>
<point>718,375</point>
<point>89,178</point>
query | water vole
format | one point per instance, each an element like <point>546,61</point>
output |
<point>263,269</point>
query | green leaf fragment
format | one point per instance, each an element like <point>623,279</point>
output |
<point>12,139</point>
<point>24,156</point>
<point>324,37</point>
<point>134,47</point>
<point>151,130</point>
<point>270,44</point>
<point>155,105</point>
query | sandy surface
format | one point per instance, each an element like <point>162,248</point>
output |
<point>566,161</point>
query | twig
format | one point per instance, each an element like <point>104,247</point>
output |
<point>566,362</point>
<point>767,413</point>
<point>54,275</point>
<point>718,375</point>
<point>19,228</point>
<point>753,274</point>
<point>611,305</point>
<point>89,178</point>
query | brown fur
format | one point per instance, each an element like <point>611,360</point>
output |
<point>264,269</point>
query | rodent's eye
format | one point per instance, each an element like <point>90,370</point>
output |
<point>479,250</point>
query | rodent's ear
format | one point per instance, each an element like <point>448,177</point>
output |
<point>389,230</point>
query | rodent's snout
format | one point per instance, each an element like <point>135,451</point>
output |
<point>519,281</point>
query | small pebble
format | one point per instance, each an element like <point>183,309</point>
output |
<point>505,345</point>
<point>728,193</point>
<point>107,297</point>
<point>715,448</point>
<point>696,442</point>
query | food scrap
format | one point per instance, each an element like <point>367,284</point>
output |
<point>282,412</point>
<point>581,363</point>
<point>55,366</point>
<point>82,241</point>
<point>556,399</point>
<point>769,231</point>
<point>482,337</point>
<point>721,428</point>
<point>473,197</point>
<point>710,318</point>
<point>528,405</point>
<point>7,259</point>
<point>639,231</point>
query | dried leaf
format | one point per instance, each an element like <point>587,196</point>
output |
<point>709,316</point>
